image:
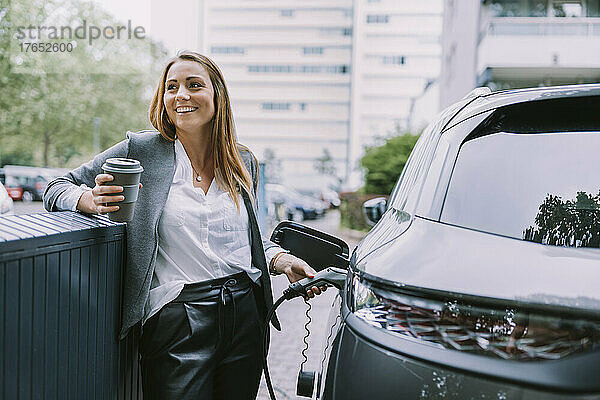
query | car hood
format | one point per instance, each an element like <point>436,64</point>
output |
<point>447,258</point>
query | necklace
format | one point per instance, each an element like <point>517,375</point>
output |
<point>198,177</point>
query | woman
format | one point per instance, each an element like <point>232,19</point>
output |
<point>197,270</point>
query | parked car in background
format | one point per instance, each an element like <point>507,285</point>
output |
<point>27,183</point>
<point>480,279</point>
<point>303,207</point>
<point>12,186</point>
<point>33,187</point>
<point>276,199</point>
<point>331,197</point>
<point>6,202</point>
<point>314,199</point>
<point>290,204</point>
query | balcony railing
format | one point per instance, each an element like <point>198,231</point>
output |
<point>542,27</point>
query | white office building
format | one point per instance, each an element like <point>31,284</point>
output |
<point>307,76</point>
<point>287,64</point>
<point>518,43</point>
<point>395,69</point>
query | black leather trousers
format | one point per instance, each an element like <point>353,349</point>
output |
<point>205,344</point>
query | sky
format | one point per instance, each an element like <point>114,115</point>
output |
<point>172,23</point>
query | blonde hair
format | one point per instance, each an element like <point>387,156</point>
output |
<point>230,171</point>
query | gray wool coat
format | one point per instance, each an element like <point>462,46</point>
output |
<point>157,155</point>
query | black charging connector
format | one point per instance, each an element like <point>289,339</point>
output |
<point>329,276</point>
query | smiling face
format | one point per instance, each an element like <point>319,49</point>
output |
<point>188,97</point>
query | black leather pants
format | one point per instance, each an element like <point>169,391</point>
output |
<point>205,344</point>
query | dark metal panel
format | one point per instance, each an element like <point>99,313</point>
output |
<point>25,325</point>
<point>130,374</point>
<point>74,300</point>
<point>14,226</point>
<point>65,224</point>
<point>92,319</point>
<point>95,221</point>
<point>78,221</point>
<point>112,322</point>
<point>41,225</point>
<point>103,335</point>
<point>60,312</point>
<point>83,319</point>
<point>11,346</point>
<point>2,326</point>
<point>131,387</point>
<point>137,371</point>
<point>29,226</point>
<point>38,331</point>
<point>124,374</point>
<point>34,225</point>
<point>51,342</point>
<point>63,322</point>
<point>17,223</point>
<point>11,233</point>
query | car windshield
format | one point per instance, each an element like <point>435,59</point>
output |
<point>541,187</point>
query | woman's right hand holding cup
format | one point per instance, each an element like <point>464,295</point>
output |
<point>96,201</point>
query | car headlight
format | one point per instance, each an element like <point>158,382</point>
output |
<point>503,332</point>
<point>365,303</point>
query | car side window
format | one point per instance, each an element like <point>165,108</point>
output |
<point>406,192</point>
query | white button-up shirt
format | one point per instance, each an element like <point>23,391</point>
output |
<point>200,237</point>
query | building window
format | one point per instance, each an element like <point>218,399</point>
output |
<point>335,31</point>
<point>302,106</point>
<point>517,8</point>
<point>313,50</point>
<point>378,19</point>
<point>227,50</point>
<point>287,13</point>
<point>270,68</point>
<point>275,106</point>
<point>300,69</point>
<point>398,60</point>
<point>564,8</point>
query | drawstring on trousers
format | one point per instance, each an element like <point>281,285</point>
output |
<point>224,292</point>
<point>220,290</point>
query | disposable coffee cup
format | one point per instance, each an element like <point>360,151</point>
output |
<point>126,173</point>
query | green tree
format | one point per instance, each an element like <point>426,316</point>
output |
<point>325,165</point>
<point>49,103</point>
<point>384,164</point>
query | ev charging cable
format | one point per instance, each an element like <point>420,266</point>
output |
<point>329,276</point>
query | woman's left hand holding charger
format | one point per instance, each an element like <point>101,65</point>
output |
<point>295,269</point>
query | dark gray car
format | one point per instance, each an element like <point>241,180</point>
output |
<point>481,279</point>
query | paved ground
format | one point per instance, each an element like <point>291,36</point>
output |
<point>28,208</point>
<point>286,346</point>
